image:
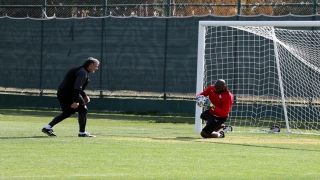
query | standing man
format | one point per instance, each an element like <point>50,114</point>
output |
<point>72,97</point>
<point>218,111</point>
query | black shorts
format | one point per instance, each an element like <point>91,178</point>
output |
<point>66,101</point>
<point>213,123</point>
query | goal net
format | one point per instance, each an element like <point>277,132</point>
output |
<point>272,69</point>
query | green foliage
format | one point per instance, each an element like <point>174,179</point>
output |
<point>130,147</point>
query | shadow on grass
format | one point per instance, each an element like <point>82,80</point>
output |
<point>202,140</point>
<point>39,137</point>
<point>24,137</point>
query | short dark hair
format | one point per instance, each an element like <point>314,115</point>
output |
<point>89,61</point>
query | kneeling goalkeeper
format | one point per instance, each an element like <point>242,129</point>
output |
<point>218,111</point>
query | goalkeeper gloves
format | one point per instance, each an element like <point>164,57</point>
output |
<point>211,106</point>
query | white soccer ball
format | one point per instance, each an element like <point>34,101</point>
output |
<point>202,101</point>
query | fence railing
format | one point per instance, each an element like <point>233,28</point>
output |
<point>149,8</point>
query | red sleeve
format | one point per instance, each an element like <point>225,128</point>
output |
<point>207,91</point>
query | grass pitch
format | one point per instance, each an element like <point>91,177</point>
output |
<point>147,147</point>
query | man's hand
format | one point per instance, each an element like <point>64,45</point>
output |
<point>86,100</point>
<point>74,105</point>
<point>211,106</point>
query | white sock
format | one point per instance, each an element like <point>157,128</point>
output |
<point>82,132</point>
<point>47,126</point>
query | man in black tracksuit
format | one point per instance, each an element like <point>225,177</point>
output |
<point>72,97</point>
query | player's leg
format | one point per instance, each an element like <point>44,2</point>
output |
<point>82,120</point>
<point>219,127</point>
<point>207,131</point>
<point>48,128</point>
<point>203,117</point>
<point>66,112</point>
<point>59,118</point>
<point>213,123</point>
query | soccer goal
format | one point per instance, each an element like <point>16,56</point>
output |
<point>271,67</point>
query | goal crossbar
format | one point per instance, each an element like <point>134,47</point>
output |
<point>261,23</point>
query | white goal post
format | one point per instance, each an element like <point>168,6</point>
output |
<point>271,67</point>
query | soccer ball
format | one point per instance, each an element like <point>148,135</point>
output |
<point>202,101</point>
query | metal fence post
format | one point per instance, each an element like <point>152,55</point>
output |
<point>44,4</point>
<point>165,62</point>
<point>239,7</point>
<point>315,6</point>
<point>105,9</point>
<point>168,8</point>
<point>41,60</point>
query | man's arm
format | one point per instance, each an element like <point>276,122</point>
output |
<point>225,109</point>
<point>80,81</point>
<point>207,91</point>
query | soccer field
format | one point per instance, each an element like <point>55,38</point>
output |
<point>147,147</point>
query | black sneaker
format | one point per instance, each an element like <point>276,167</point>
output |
<point>49,132</point>
<point>221,134</point>
<point>86,134</point>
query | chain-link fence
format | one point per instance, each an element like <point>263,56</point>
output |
<point>149,8</point>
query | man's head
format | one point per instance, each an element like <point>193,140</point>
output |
<point>220,86</point>
<point>91,64</point>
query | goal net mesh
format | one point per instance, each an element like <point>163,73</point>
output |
<point>273,73</point>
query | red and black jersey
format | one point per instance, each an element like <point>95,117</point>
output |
<point>222,101</point>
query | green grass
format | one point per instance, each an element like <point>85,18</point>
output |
<point>139,147</point>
